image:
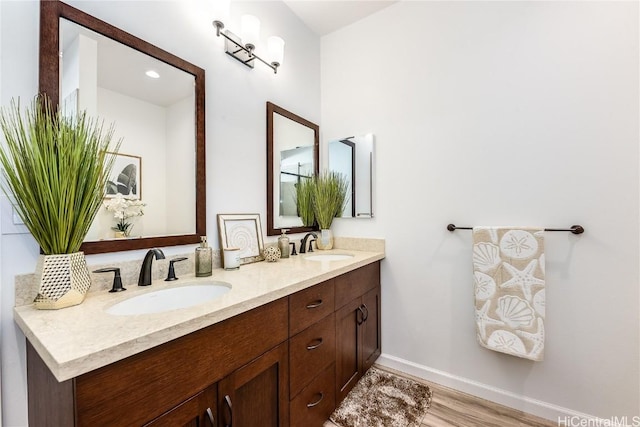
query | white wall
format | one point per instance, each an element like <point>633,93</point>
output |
<point>501,113</point>
<point>1,99</point>
<point>19,78</point>
<point>180,167</point>
<point>158,135</point>
<point>235,122</point>
<point>142,127</point>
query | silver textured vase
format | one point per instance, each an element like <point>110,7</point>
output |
<point>63,280</point>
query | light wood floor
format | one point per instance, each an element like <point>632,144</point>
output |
<point>451,408</point>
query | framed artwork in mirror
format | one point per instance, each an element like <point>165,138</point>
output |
<point>125,177</point>
<point>242,231</point>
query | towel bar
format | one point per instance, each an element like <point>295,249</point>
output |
<point>575,229</point>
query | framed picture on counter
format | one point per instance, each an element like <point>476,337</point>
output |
<point>242,231</point>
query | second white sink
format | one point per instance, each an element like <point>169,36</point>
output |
<point>328,257</point>
<point>170,299</point>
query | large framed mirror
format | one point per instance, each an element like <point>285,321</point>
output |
<point>292,155</point>
<point>88,64</point>
<point>353,157</point>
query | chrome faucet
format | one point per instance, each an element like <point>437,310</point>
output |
<point>303,243</point>
<point>145,270</point>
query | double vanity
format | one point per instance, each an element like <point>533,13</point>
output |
<point>280,344</point>
<point>271,344</point>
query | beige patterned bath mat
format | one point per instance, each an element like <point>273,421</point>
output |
<point>382,399</point>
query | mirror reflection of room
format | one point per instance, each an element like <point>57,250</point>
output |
<point>296,165</point>
<point>294,152</point>
<point>151,104</point>
<point>353,157</point>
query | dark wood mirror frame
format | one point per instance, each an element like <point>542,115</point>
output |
<point>50,14</point>
<point>271,110</point>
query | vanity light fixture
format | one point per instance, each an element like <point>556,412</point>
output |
<point>153,74</point>
<point>245,51</point>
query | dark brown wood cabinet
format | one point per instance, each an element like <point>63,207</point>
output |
<point>139,389</point>
<point>348,352</point>
<point>289,362</point>
<point>358,339</point>
<point>312,352</point>
<point>310,305</point>
<point>315,403</point>
<point>198,411</point>
<point>371,333</point>
<point>257,395</point>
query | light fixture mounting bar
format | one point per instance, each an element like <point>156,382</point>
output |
<point>234,48</point>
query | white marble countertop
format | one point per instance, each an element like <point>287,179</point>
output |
<point>79,339</point>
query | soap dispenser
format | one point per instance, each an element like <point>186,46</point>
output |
<point>283,244</point>
<point>204,258</point>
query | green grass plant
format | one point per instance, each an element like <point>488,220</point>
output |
<point>329,197</point>
<point>304,201</point>
<point>55,170</point>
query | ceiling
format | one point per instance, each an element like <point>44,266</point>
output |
<point>326,16</point>
<point>122,69</point>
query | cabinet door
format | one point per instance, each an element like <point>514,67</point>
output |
<point>257,395</point>
<point>348,349</point>
<point>199,411</point>
<point>370,328</point>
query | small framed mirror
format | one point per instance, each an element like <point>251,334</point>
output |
<point>292,156</point>
<point>353,157</point>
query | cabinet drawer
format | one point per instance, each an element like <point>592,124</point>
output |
<point>315,403</point>
<point>356,283</point>
<point>310,352</point>
<point>310,305</point>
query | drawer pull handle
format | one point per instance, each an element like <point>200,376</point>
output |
<point>366,312</point>
<point>317,343</point>
<point>227,400</point>
<point>317,402</point>
<point>360,319</point>
<point>314,304</point>
<point>212,420</point>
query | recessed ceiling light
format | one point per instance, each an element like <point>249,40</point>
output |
<point>152,74</point>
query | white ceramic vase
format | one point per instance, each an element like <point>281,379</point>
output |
<point>63,280</point>
<point>325,240</point>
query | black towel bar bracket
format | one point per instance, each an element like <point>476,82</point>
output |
<point>575,229</point>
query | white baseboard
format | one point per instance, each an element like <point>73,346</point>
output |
<point>522,403</point>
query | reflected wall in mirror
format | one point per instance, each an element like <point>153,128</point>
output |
<point>87,64</point>
<point>353,158</point>
<point>292,156</point>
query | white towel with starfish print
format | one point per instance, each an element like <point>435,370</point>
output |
<point>508,271</point>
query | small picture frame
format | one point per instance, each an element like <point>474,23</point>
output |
<point>243,231</point>
<point>125,177</point>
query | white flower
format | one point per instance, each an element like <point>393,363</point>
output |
<point>124,207</point>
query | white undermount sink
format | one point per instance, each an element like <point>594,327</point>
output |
<point>328,257</point>
<point>170,299</point>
